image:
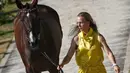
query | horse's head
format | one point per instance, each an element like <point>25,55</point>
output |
<point>27,10</point>
<point>28,18</point>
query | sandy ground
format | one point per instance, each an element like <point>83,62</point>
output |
<point>112,18</point>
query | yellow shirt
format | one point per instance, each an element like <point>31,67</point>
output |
<point>89,55</point>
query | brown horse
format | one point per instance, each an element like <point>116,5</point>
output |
<point>38,30</point>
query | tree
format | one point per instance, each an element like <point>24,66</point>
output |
<point>2,3</point>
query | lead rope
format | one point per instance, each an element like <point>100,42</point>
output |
<point>46,56</point>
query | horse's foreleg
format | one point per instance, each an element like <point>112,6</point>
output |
<point>26,64</point>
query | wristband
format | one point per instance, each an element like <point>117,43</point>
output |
<point>114,65</point>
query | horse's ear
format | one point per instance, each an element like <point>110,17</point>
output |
<point>19,4</point>
<point>34,3</point>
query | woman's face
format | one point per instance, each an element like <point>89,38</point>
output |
<point>82,23</point>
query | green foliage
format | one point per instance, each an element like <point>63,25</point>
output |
<point>5,19</point>
<point>9,3</point>
<point>7,15</point>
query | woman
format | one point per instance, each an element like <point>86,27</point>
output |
<point>88,45</point>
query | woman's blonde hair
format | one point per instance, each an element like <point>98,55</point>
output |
<point>75,30</point>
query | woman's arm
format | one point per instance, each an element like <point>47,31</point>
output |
<point>109,53</point>
<point>70,53</point>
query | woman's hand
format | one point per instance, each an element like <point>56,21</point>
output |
<point>60,66</point>
<point>117,69</point>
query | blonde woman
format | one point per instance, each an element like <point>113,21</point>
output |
<point>88,45</point>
